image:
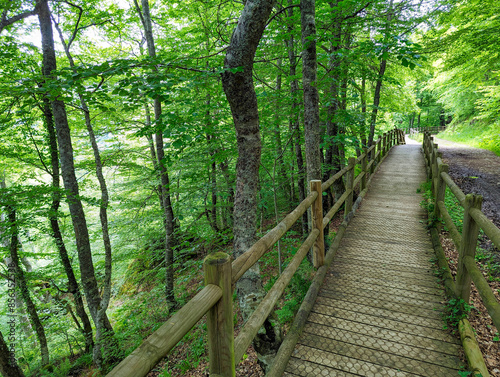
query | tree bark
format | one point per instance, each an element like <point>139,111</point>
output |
<point>56,232</point>
<point>160,154</point>
<point>294,117</point>
<point>23,287</point>
<point>104,330</point>
<point>238,86</point>
<point>8,365</point>
<point>376,100</point>
<point>311,96</point>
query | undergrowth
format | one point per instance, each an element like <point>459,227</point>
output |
<point>476,133</point>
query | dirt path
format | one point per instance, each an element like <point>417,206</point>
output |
<point>475,171</point>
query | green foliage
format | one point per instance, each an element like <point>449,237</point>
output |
<point>476,133</point>
<point>295,293</point>
<point>455,310</point>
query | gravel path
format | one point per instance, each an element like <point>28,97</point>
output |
<point>475,171</point>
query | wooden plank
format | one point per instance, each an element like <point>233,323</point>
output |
<point>386,354</point>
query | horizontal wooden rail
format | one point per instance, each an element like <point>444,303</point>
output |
<point>482,286</point>
<point>466,243</point>
<point>326,185</point>
<point>358,179</point>
<point>454,188</point>
<point>452,228</point>
<point>329,216</point>
<point>246,260</point>
<point>140,362</point>
<point>487,226</point>
<point>260,314</point>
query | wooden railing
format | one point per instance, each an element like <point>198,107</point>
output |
<point>416,130</point>
<point>221,275</point>
<point>465,242</point>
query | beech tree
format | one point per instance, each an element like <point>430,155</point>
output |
<point>8,366</point>
<point>104,330</point>
<point>240,92</point>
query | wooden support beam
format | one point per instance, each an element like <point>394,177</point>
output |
<point>470,231</point>
<point>364,169</point>
<point>220,317</point>
<point>317,223</point>
<point>349,184</point>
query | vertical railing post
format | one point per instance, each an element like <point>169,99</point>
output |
<point>384,144</point>
<point>440,192</point>
<point>379,149</point>
<point>317,223</point>
<point>364,170</point>
<point>220,327</point>
<point>470,231</point>
<point>349,186</point>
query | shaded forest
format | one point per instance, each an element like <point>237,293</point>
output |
<point>137,137</point>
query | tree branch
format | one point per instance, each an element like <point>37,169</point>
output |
<point>9,21</point>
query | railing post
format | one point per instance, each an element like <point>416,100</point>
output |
<point>434,167</point>
<point>440,192</point>
<point>220,317</point>
<point>317,223</point>
<point>349,186</point>
<point>384,144</point>
<point>364,163</point>
<point>470,231</point>
<point>379,149</point>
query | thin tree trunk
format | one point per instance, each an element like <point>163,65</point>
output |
<point>378,86</point>
<point>23,287</point>
<point>240,93</point>
<point>164,179</point>
<point>8,364</point>
<point>362,126</point>
<point>376,100</point>
<point>227,219</point>
<point>56,232</point>
<point>104,331</point>
<point>277,137</point>
<point>294,124</point>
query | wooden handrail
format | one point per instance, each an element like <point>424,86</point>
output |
<point>474,220</point>
<point>221,275</point>
<point>482,286</point>
<point>452,228</point>
<point>487,226</point>
<point>265,307</point>
<point>246,260</point>
<point>140,362</point>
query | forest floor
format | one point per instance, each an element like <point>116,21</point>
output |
<point>478,171</point>
<point>475,171</point>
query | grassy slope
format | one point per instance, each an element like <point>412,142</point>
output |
<point>476,133</point>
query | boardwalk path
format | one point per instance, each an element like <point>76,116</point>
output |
<point>379,310</point>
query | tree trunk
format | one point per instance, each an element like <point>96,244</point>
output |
<point>362,125</point>
<point>240,93</point>
<point>376,100</point>
<point>23,287</point>
<point>8,365</point>
<point>378,86</point>
<point>282,182</point>
<point>294,117</point>
<point>332,157</point>
<point>164,179</point>
<point>311,96</point>
<point>56,232</point>
<point>104,331</point>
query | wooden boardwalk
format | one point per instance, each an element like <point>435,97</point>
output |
<point>379,310</point>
